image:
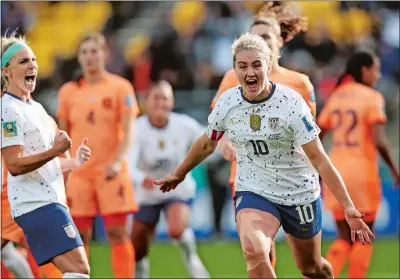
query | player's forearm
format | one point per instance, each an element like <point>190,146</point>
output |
<point>200,150</point>
<point>384,151</point>
<point>23,165</point>
<point>68,164</point>
<point>128,129</point>
<point>334,181</point>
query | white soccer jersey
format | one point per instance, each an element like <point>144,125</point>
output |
<point>267,136</point>
<point>29,125</point>
<point>158,152</point>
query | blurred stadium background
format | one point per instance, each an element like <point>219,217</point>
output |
<point>188,44</point>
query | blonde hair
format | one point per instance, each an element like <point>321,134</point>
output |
<point>252,42</point>
<point>163,85</point>
<point>6,42</point>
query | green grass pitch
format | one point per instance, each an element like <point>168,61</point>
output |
<point>224,260</point>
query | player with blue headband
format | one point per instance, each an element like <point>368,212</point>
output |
<point>30,147</point>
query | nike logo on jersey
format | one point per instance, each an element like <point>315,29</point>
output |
<point>234,123</point>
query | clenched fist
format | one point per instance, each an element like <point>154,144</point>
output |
<point>62,142</point>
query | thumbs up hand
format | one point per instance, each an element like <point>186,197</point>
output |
<point>83,154</point>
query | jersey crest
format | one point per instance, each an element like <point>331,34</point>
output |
<point>255,122</point>
<point>70,230</point>
<point>161,144</point>
<point>273,123</point>
<point>10,129</point>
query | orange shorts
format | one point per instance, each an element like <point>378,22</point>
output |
<point>88,196</point>
<point>9,228</point>
<point>369,217</point>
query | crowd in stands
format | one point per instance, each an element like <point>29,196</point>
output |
<point>190,46</point>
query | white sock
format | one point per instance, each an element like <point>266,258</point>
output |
<point>75,275</point>
<point>193,263</point>
<point>16,262</point>
<point>143,268</point>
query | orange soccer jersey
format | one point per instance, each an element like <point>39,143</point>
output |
<point>294,80</point>
<point>95,111</point>
<point>350,112</point>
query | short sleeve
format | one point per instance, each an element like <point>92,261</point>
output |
<point>302,123</point>
<point>64,95</point>
<point>127,100</point>
<point>376,110</point>
<point>11,123</point>
<point>217,121</point>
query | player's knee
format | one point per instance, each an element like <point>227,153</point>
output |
<point>117,235</point>
<point>310,269</point>
<point>83,268</point>
<point>175,231</point>
<point>255,253</point>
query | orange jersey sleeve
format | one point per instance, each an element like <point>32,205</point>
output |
<point>228,81</point>
<point>376,110</point>
<point>127,103</point>
<point>298,82</point>
<point>324,119</point>
<point>64,96</point>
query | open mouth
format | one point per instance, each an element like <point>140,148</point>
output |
<point>30,79</point>
<point>251,84</point>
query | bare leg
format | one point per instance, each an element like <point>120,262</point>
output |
<point>307,255</point>
<point>257,230</point>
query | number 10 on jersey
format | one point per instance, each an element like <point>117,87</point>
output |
<point>259,147</point>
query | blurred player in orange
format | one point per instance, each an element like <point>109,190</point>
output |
<point>276,23</point>
<point>355,113</point>
<point>104,106</point>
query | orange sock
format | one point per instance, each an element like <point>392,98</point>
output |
<point>32,263</point>
<point>273,262</point>
<point>5,273</point>
<point>360,259</point>
<point>338,254</point>
<point>123,259</point>
<point>50,271</point>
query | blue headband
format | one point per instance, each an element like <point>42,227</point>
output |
<point>10,52</point>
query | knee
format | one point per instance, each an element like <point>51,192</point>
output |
<point>255,254</point>
<point>175,231</point>
<point>310,269</point>
<point>116,235</point>
<point>83,268</point>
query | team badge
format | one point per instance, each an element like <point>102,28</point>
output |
<point>70,230</point>
<point>238,201</point>
<point>307,123</point>
<point>129,101</point>
<point>255,122</point>
<point>161,144</point>
<point>107,103</point>
<point>273,123</point>
<point>10,129</point>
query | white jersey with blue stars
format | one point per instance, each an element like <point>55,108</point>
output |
<point>268,135</point>
<point>28,124</point>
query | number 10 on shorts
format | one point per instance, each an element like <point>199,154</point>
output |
<point>306,213</point>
